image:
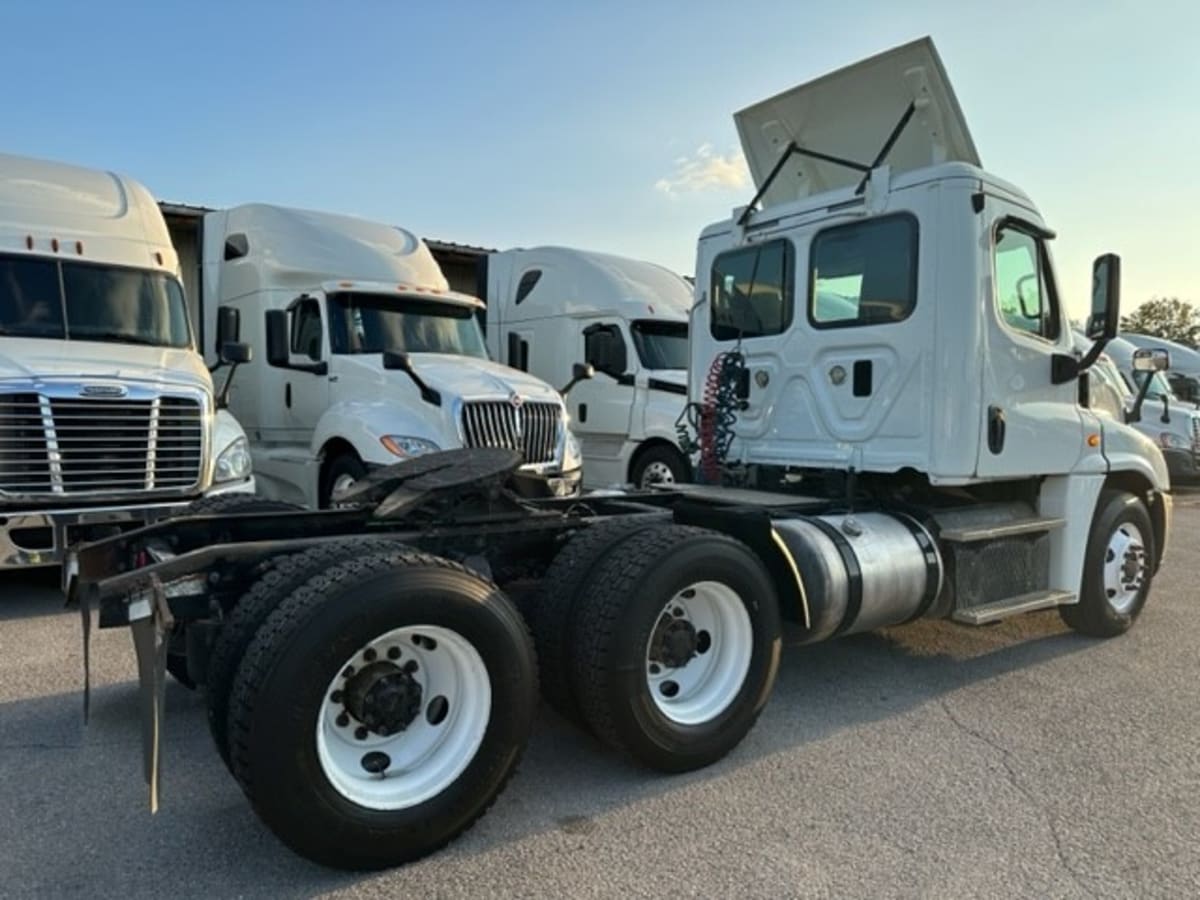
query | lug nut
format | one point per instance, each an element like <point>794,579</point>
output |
<point>411,666</point>
<point>361,732</point>
<point>369,654</point>
<point>335,697</point>
<point>654,668</point>
<point>343,720</point>
<point>393,653</point>
<point>348,672</point>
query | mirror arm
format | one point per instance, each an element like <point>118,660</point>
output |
<point>223,397</point>
<point>1135,415</point>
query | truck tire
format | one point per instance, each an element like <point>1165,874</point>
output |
<point>676,646</point>
<point>1118,567</point>
<point>218,504</point>
<point>382,657</point>
<point>550,610</point>
<point>282,576</point>
<point>659,464</point>
<point>344,469</point>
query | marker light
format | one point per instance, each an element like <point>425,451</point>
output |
<point>1093,440</point>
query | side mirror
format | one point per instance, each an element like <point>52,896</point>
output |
<point>1106,298</point>
<point>579,372</point>
<point>396,360</point>
<point>1151,360</point>
<point>229,327</point>
<point>278,354</point>
<point>235,353</point>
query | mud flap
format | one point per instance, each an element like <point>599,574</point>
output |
<point>150,644</point>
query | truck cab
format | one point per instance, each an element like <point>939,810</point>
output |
<point>883,319</point>
<point>108,417</point>
<point>549,308</point>
<point>366,357</point>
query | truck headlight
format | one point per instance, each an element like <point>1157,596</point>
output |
<point>1170,441</point>
<point>404,445</point>
<point>234,463</point>
<point>572,453</point>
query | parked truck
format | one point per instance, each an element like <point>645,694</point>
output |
<point>365,356</point>
<point>919,449</point>
<point>549,308</point>
<point>108,416</point>
<point>1156,411</point>
<point>1184,376</point>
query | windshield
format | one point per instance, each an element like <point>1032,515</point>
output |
<point>661,345</point>
<point>60,300</point>
<point>372,323</point>
<point>1159,387</point>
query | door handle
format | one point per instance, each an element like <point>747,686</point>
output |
<point>996,429</point>
<point>582,412</point>
<point>287,395</point>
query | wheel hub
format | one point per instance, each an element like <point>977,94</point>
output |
<point>676,642</point>
<point>384,697</point>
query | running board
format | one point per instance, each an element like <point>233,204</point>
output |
<point>1032,525</point>
<point>1012,606</point>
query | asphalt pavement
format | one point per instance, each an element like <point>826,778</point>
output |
<point>932,760</point>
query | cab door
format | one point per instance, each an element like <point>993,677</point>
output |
<point>1029,424</point>
<point>601,407</point>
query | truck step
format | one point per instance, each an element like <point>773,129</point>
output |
<point>1032,525</point>
<point>1011,606</point>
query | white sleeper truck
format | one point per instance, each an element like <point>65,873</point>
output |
<point>549,308</point>
<point>108,417</point>
<point>890,422</point>
<point>365,356</point>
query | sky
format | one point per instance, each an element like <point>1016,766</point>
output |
<point>603,125</point>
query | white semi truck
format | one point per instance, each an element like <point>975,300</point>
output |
<point>549,308</point>
<point>108,417</point>
<point>364,356</point>
<point>919,448</point>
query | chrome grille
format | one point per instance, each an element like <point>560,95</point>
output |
<point>531,428</point>
<point>69,445</point>
<point>24,456</point>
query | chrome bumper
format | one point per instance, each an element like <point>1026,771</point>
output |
<point>40,537</point>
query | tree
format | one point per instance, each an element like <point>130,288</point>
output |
<point>1165,317</point>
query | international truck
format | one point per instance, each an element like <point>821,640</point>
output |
<point>108,415</point>
<point>364,356</point>
<point>922,447</point>
<point>549,308</point>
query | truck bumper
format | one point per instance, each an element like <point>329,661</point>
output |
<point>536,485</point>
<point>1182,466</point>
<point>30,538</point>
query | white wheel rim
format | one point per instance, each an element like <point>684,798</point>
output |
<point>706,684</point>
<point>341,484</point>
<point>1124,567</point>
<point>428,755</point>
<point>657,473</point>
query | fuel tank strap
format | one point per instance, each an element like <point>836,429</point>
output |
<point>933,563</point>
<point>854,578</point>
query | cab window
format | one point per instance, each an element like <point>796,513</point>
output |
<point>1025,295</point>
<point>306,329</point>
<point>864,273</point>
<point>752,291</point>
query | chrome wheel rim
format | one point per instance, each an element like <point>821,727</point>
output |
<point>404,717</point>
<point>699,653</point>
<point>1124,567</point>
<point>657,473</point>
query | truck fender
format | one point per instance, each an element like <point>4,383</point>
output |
<point>361,424</point>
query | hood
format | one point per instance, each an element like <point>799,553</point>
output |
<point>849,114</point>
<point>36,358</point>
<point>456,376</point>
<point>469,377</point>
